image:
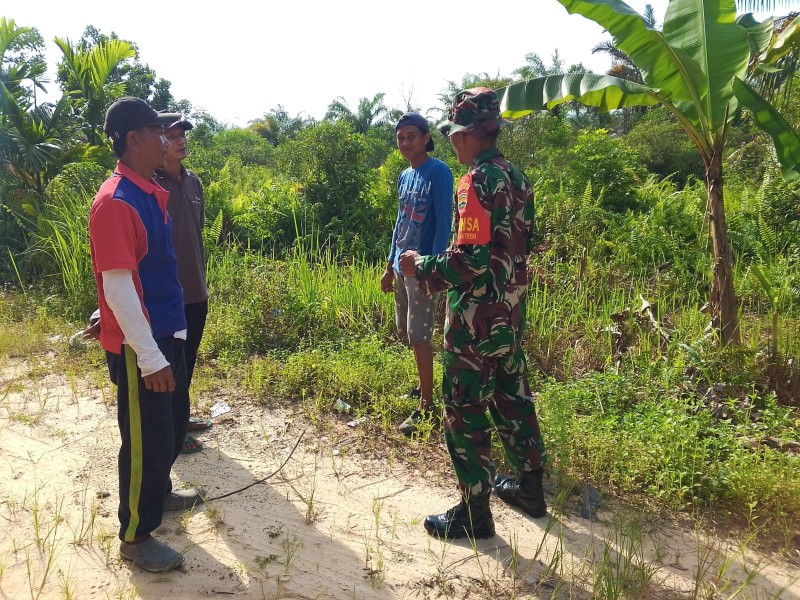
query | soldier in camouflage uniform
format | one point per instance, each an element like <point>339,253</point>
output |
<point>484,271</point>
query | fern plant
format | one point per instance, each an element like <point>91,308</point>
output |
<point>212,234</point>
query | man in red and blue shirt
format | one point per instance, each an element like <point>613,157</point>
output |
<point>144,328</point>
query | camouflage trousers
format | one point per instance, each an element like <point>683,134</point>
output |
<point>471,386</point>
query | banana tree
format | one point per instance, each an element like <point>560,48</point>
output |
<point>694,67</point>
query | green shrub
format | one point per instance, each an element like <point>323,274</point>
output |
<point>664,149</point>
<point>329,161</point>
<point>61,238</point>
<point>210,153</point>
<point>638,435</point>
<point>249,309</point>
<point>610,166</point>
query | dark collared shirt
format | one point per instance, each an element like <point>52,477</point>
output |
<point>186,206</point>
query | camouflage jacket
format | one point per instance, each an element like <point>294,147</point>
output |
<point>484,268</point>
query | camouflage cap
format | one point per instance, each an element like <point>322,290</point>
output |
<point>475,109</point>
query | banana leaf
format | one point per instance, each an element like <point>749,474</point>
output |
<point>601,91</point>
<point>708,32</point>
<point>769,120</point>
<point>664,66</point>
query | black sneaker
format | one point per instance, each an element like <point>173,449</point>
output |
<point>409,426</point>
<point>412,393</point>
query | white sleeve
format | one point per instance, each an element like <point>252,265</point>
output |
<point>124,303</point>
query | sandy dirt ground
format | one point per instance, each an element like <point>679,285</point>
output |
<point>339,521</point>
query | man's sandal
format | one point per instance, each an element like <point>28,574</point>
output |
<point>191,445</point>
<point>196,424</point>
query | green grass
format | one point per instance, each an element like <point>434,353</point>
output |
<point>641,401</point>
<point>26,325</point>
<point>260,304</point>
<point>625,434</point>
<point>619,406</point>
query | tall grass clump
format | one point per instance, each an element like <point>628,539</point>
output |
<point>250,310</point>
<point>59,239</point>
<point>338,294</point>
<point>260,304</point>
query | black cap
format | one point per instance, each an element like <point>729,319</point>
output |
<point>183,124</point>
<point>417,120</point>
<point>128,114</point>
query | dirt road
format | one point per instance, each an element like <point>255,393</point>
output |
<point>337,522</point>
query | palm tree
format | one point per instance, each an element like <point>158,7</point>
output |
<point>20,60</point>
<point>535,67</point>
<point>90,69</point>
<point>33,138</point>
<point>621,64</point>
<point>695,68</point>
<point>36,145</point>
<point>369,112</point>
<point>35,141</point>
<point>277,126</point>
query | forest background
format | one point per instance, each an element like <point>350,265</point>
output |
<point>636,394</point>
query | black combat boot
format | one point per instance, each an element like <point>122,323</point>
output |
<point>471,518</point>
<point>526,493</point>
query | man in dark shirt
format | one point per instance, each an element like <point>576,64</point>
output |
<point>187,208</point>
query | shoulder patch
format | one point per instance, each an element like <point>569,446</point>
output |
<point>473,220</point>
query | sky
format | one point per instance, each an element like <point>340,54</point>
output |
<point>240,59</point>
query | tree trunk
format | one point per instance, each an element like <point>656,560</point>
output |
<point>723,303</point>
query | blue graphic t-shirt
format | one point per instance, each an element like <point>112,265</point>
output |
<point>425,214</point>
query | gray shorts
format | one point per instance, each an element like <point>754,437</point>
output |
<point>414,312</point>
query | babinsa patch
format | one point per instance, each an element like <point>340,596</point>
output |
<point>474,223</point>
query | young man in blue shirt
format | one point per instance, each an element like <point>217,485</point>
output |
<point>424,220</point>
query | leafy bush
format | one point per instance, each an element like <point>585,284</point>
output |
<point>665,239</point>
<point>765,225</point>
<point>210,153</point>
<point>383,192</point>
<point>664,149</point>
<point>538,145</point>
<point>608,164</point>
<point>329,161</point>
<point>764,229</point>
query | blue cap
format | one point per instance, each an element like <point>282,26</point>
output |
<point>417,120</point>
